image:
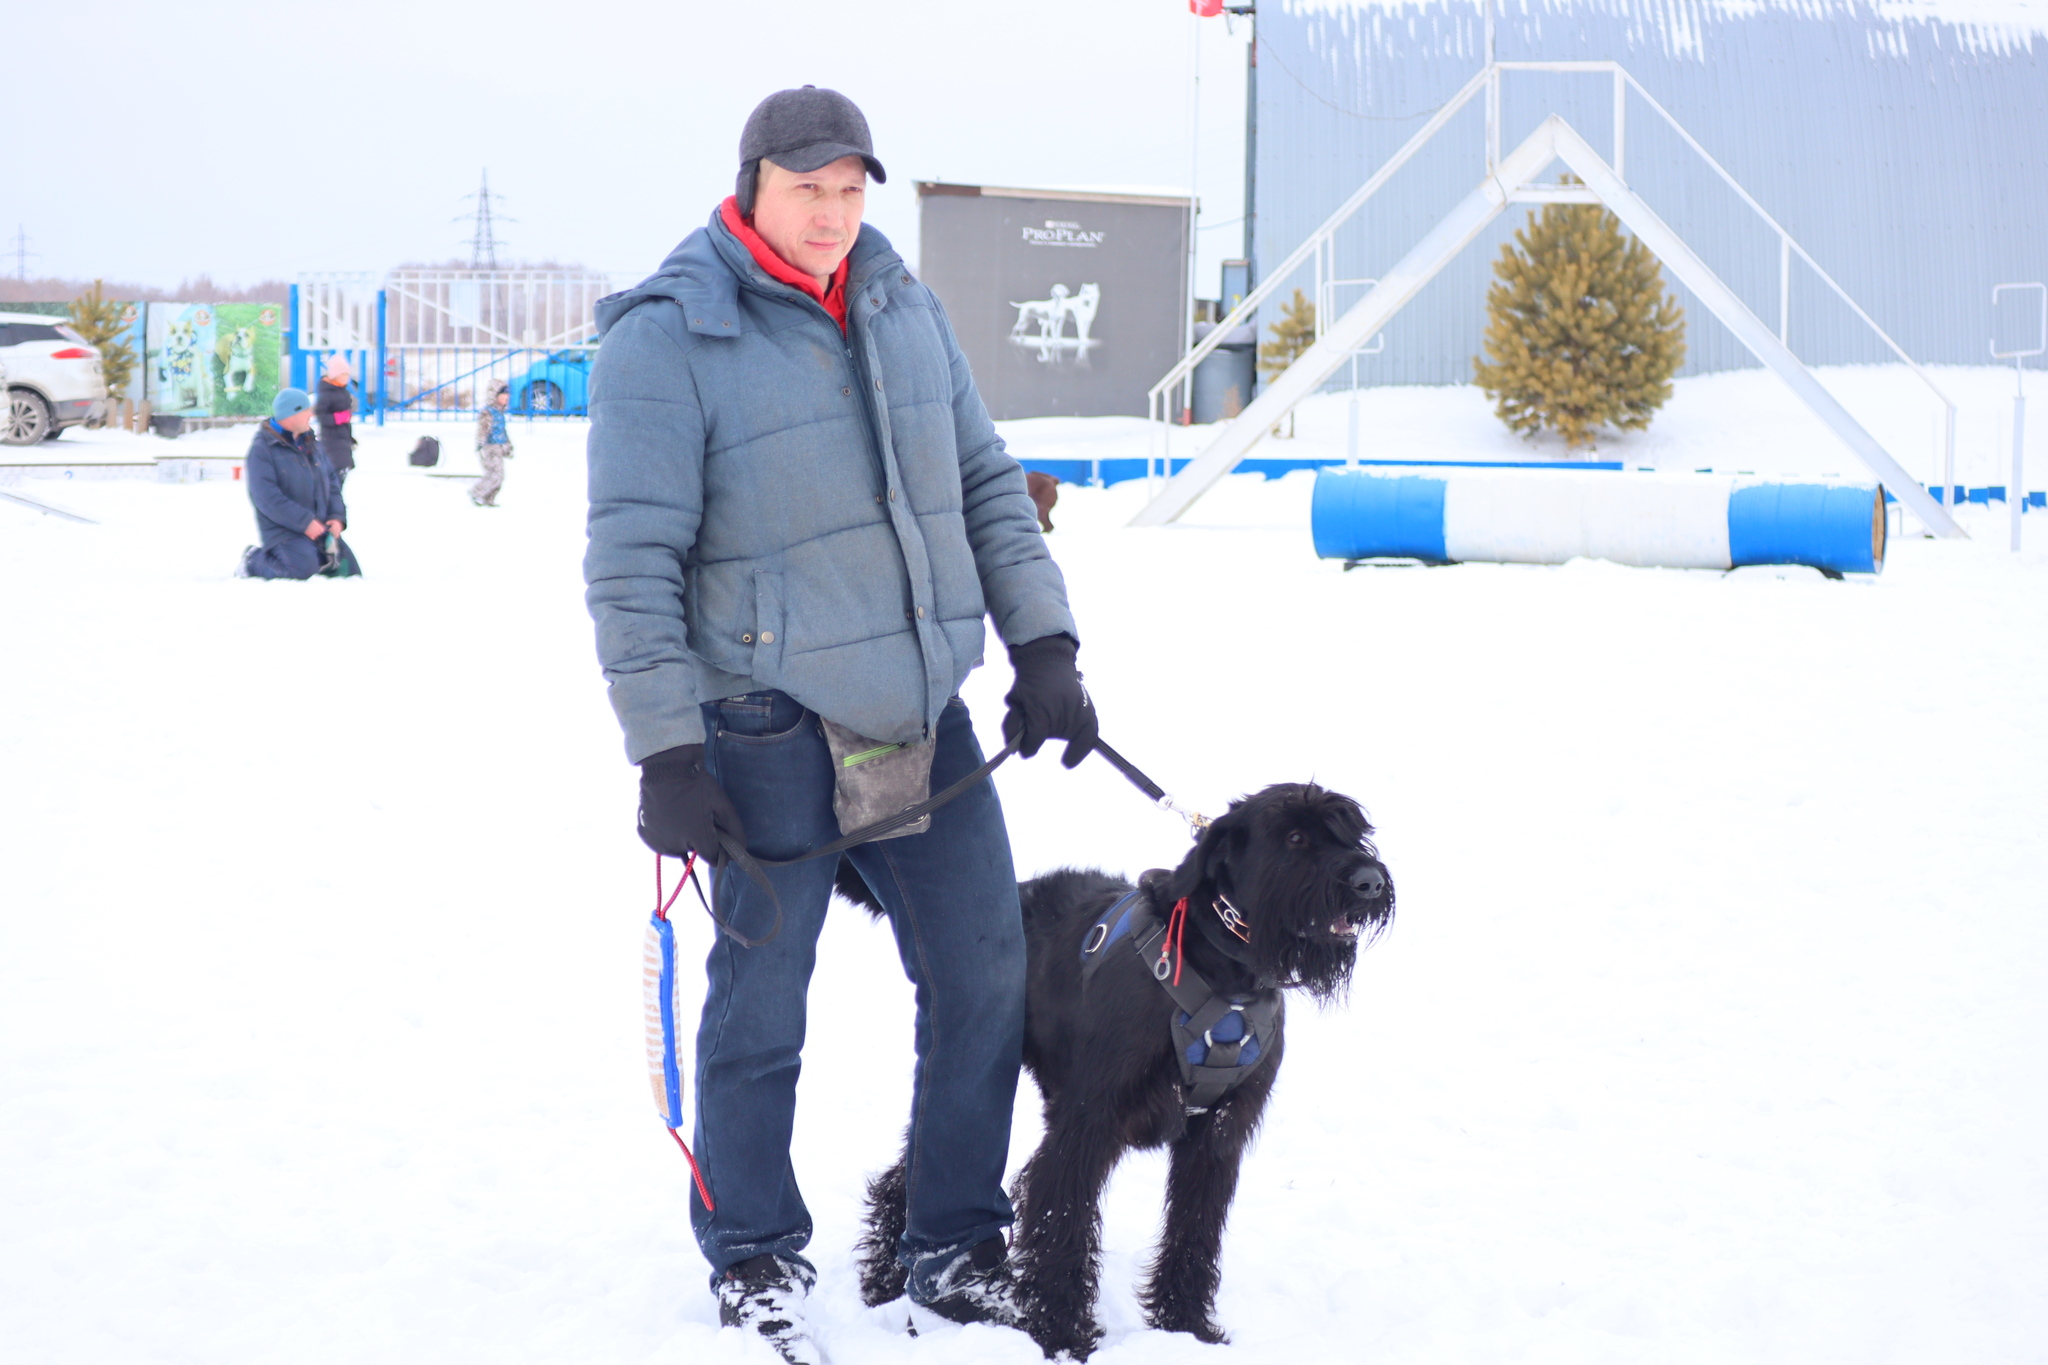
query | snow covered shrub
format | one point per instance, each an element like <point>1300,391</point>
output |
<point>1579,329</point>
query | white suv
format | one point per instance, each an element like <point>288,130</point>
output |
<point>53,378</point>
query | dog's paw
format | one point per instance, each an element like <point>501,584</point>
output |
<point>1203,1329</point>
<point>1064,1340</point>
<point>881,1284</point>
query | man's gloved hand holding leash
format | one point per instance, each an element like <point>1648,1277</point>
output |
<point>1047,700</point>
<point>682,807</point>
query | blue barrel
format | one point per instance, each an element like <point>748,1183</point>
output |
<point>1835,527</point>
<point>1373,518</point>
<point>1682,521</point>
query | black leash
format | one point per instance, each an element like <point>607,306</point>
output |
<point>754,867</point>
<point>1130,770</point>
<point>1160,798</point>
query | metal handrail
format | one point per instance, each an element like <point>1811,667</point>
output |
<point>1787,244</point>
<point>1249,306</point>
<point>1326,303</point>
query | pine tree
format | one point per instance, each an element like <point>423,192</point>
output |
<point>1293,334</point>
<point>98,319</point>
<point>1580,331</point>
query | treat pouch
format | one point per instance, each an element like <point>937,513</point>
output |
<point>872,781</point>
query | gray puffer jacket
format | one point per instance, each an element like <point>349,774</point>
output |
<point>776,505</point>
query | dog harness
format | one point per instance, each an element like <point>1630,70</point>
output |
<point>1217,1037</point>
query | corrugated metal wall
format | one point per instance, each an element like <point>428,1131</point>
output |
<point>1910,157</point>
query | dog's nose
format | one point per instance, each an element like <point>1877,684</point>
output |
<point>1367,880</point>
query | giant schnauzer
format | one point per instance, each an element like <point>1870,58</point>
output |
<point>1143,1034</point>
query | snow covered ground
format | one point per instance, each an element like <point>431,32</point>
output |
<point>1740,421</point>
<point>1711,1027</point>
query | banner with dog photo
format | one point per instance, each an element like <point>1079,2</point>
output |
<point>214,359</point>
<point>178,370</point>
<point>246,358</point>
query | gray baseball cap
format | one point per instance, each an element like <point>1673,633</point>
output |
<point>801,130</point>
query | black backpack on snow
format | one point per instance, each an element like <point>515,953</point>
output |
<point>426,454</point>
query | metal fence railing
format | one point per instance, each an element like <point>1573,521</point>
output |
<point>433,343</point>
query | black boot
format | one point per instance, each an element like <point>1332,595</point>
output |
<point>978,1287</point>
<point>765,1295</point>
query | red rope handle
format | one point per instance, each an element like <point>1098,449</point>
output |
<point>1176,937</point>
<point>703,1193</point>
<point>661,906</point>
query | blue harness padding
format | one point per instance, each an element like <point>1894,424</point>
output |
<point>1216,1037</point>
<point>1231,1028</point>
<point>1116,923</point>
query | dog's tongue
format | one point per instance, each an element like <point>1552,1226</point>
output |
<point>1343,928</point>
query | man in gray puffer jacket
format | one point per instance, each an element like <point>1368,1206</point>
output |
<point>800,515</point>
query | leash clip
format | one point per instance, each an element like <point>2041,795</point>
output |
<point>1160,796</point>
<point>1197,822</point>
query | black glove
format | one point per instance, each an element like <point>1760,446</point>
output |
<point>682,807</point>
<point>1047,701</point>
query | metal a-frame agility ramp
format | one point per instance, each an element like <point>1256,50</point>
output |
<point>1512,180</point>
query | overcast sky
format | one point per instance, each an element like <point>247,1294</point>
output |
<point>151,142</point>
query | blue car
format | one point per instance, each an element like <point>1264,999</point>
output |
<point>560,384</point>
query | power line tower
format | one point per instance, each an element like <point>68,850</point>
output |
<point>483,240</point>
<point>21,252</point>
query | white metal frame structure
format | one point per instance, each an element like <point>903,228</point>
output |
<point>337,312</point>
<point>1511,179</point>
<point>492,309</point>
<point>452,333</point>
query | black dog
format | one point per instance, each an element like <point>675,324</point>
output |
<point>1279,894</point>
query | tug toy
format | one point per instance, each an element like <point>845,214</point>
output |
<point>665,1057</point>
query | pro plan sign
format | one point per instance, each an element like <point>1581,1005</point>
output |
<point>1067,304</point>
<point>1058,233</point>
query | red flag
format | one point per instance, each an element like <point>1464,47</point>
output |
<point>1205,9</point>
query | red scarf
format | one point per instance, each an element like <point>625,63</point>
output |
<point>832,296</point>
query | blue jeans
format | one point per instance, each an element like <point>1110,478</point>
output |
<point>951,894</point>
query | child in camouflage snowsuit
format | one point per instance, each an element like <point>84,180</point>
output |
<point>493,447</point>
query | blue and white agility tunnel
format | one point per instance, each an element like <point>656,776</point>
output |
<point>1651,520</point>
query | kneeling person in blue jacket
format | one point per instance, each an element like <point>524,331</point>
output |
<point>800,518</point>
<point>297,496</point>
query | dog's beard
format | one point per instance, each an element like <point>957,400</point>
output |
<point>1309,926</point>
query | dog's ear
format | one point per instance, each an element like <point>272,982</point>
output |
<point>1212,848</point>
